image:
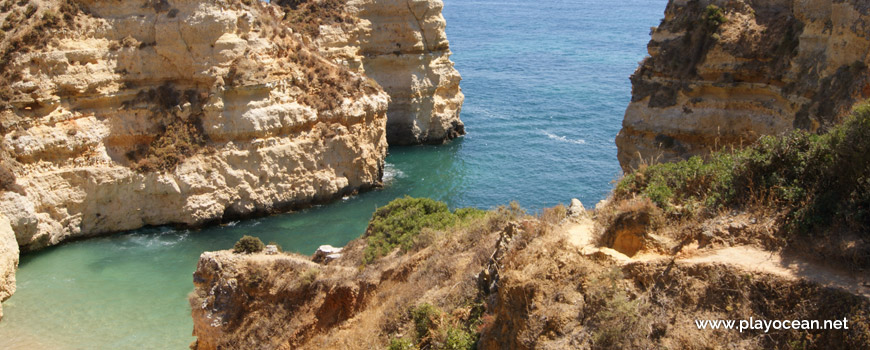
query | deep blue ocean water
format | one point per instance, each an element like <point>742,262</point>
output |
<point>546,85</point>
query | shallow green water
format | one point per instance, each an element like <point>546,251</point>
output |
<point>129,291</point>
<point>546,85</point>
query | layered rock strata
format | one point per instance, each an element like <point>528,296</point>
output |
<point>406,51</point>
<point>403,46</point>
<point>179,112</point>
<point>117,115</point>
<point>723,73</point>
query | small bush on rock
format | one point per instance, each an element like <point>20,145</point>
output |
<point>248,244</point>
<point>819,180</point>
<point>7,179</point>
<point>401,344</point>
<point>398,223</point>
<point>459,339</point>
<point>715,17</point>
<point>425,317</point>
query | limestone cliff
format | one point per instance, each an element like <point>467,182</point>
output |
<point>8,261</point>
<point>120,115</point>
<point>405,50</point>
<point>116,115</point>
<point>402,45</point>
<point>724,73</point>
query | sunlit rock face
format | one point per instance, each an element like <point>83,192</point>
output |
<point>721,78</point>
<point>133,113</point>
<point>402,45</point>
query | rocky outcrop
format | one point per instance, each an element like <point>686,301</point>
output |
<point>405,50</point>
<point>501,282</point>
<point>8,261</point>
<point>287,301</point>
<point>282,289</point>
<point>402,45</point>
<point>120,115</point>
<point>723,73</point>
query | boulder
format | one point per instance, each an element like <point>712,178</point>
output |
<point>271,249</point>
<point>576,208</point>
<point>326,253</point>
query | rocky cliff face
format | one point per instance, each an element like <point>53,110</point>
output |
<point>120,115</point>
<point>405,50</point>
<point>227,284</point>
<point>402,45</point>
<point>724,73</point>
<point>8,261</point>
<point>287,301</point>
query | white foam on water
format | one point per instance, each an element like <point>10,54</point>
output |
<point>564,139</point>
<point>391,173</point>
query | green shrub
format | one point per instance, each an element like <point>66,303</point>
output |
<point>401,344</point>
<point>459,339</point>
<point>254,279</point>
<point>688,184</point>
<point>714,16</point>
<point>309,276</point>
<point>469,213</point>
<point>817,179</point>
<point>425,317</point>
<point>248,244</point>
<point>400,221</point>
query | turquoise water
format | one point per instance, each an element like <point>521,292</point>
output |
<point>546,84</point>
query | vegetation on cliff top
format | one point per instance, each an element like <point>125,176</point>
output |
<point>399,223</point>
<point>248,244</point>
<point>820,181</point>
<point>306,16</point>
<point>503,279</point>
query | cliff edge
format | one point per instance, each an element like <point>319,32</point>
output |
<point>566,279</point>
<point>723,73</point>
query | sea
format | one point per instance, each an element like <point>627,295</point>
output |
<point>546,85</point>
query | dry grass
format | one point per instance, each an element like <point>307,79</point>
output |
<point>547,295</point>
<point>550,296</point>
<point>306,16</point>
<point>178,135</point>
<point>302,306</point>
<point>26,27</point>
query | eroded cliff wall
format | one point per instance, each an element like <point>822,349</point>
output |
<point>405,50</point>
<point>124,114</point>
<point>724,73</point>
<point>8,261</point>
<point>116,115</point>
<point>402,45</point>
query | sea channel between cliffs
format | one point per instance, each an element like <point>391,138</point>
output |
<point>545,94</point>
